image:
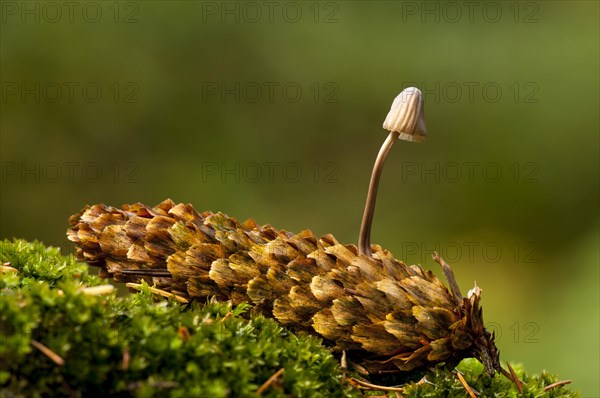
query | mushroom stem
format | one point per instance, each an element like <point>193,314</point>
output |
<point>406,121</point>
<point>364,237</point>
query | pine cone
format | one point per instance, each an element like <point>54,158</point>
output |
<point>386,315</point>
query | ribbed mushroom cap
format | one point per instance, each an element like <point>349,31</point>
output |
<point>407,116</point>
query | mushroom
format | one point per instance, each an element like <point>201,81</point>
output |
<point>405,120</point>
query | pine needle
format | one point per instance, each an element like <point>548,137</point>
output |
<point>160,292</point>
<point>557,384</point>
<point>269,381</point>
<point>515,378</point>
<point>371,386</point>
<point>54,357</point>
<point>465,385</point>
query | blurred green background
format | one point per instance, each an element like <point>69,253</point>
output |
<point>273,110</point>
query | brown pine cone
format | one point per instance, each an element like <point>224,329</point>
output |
<point>386,315</point>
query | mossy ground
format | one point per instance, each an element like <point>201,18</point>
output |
<point>138,345</point>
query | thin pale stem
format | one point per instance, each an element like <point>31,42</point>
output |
<point>364,237</point>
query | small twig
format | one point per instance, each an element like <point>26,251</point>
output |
<point>160,292</point>
<point>359,368</point>
<point>557,384</point>
<point>163,384</point>
<point>6,267</point>
<point>126,359</point>
<point>465,385</point>
<point>269,381</point>
<point>344,361</point>
<point>54,357</point>
<point>184,333</point>
<point>98,290</point>
<point>226,317</point>
<point>425,381</point>
<point>370,386</point>
<point>154,384</point>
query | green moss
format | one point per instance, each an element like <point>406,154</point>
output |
<point>142,346</point>
<point>440,379</point>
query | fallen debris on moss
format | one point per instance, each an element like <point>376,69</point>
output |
<point>68,333</point>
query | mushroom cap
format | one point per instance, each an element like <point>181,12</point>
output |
<point>406,116</point>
